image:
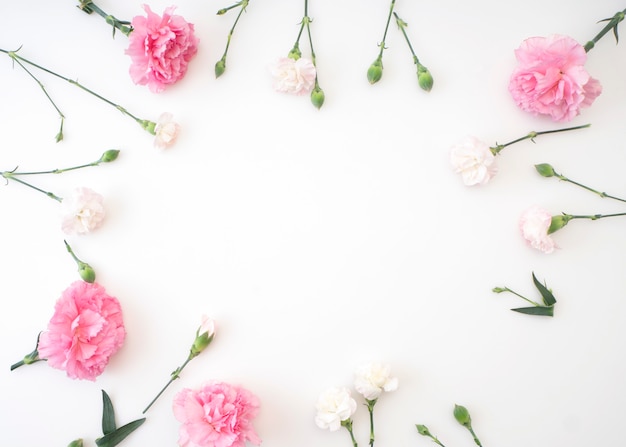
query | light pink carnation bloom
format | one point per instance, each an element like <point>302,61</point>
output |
<point>84,332</point>
<point>216,415</point>
<point>82,212</point>
<point>474,160</point>
<point>293,76</point>
<point>160,48</point>
<point>165,131</point>
<point>551,78</point>
<point>534,224</point>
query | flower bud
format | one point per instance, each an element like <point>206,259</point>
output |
<point>220,67</point>
<point>422,430</point>
<point>498,289</point>
<point>148,126</point>
<point>76,443</point>
<point>317,97</point>
<point>558,222</point>
<point>375,72</point>
<point>295,53</point>
<point>109,156</point>
<point>462,415</point>
<point>204,336</point>
<point>86,272</point>
<point>545,170</point>
<point>424,78</point>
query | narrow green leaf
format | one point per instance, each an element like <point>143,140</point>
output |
<point>536,310</point>
<point>115,437</point>
<point>548,298</point>
<point>108,414</point>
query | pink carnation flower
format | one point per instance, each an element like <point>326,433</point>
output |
<point>82,212</point>
<point>84,332</point>
<point>551,78</point>
<point>534,224</point>
<point>166,131</point>
<point>293,76</point>
<point>216,415</point>
<point>160,48</point>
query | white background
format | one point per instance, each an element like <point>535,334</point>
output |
<point>319,240</point>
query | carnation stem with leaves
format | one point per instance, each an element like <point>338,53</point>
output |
<point>89,7</point>
<point>375,70</point>
<point>545,309</point>
<point>612,24</point>
<point>220,66</point>
<point>147,125</point>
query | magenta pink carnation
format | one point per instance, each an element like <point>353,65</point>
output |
<point>216,415</point>
<point>84,332</point>
<point>160,48</point>
<point>551,78</point>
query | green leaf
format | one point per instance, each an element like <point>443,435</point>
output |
<point>548,298</point>
<point>547,311</point>
<point>108,414</point>
<point>117,436</point>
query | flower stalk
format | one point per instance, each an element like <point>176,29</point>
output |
<point>495,150</point>
<point>89,7</point>
<point>370,408</point>
<point>424,78</point>
<point>85,271</point>
<point>545,309</point>
<point>423,430</point>
<point>220,66</point>
<point>348,425</point>
<point>29,358</point>
<point>611,25</point>
<point>461,414</point>
<point>375,71</point>
<point>147,125</point>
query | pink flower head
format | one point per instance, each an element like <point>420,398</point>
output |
<point>551,79</point>
<point>534,224</point>
<point>216,415</point>
<point>84,332</point>
<point>293,76</point>
<point>165,131</point>
<point>160,48</point>
<point>474,160</point>
<point>82,212</point>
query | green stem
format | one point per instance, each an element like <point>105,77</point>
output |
<point>29,358</point>
<point>10,176</point>
<point>613,22</point>
<point>531,135</point>
<point>348,424</point>
<point>173,377</point>
<point>244,5</point>
<point>60,171</point>
<point>474,436</point>
<point>370,409</point>
<point>402,25</point>
<point>89,6</point>
<point>382,44</point>
<point>506,289</point>
<point>601,194</point>
<point>145,124</point>
<point>569,217</point>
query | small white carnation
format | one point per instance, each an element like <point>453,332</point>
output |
<point>374,378</point>
<point>334,406</point>
<point>165,131</point>
<point>82,212</point>
<point>474,160</point>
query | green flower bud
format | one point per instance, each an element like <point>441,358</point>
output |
<point>295,53</point>
<point>317,97</point>
<point>76,443</point>
<point>558,222</point>
<point>462,415</point>
<point>86,272</point>
<point>498,289</point>
<point>220,67</point>
<point>375,72</point>
<point>148,126</point>
<point>545,170</point>
<point>204,336</point>
<point>424,78</point>
<point>109,156</point>
<point>422,430</point>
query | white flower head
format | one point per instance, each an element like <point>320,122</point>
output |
<point>474,160</point>
<point>293,76</point>
<point>374,378</point>
<point>82,212</point>
<point>207,326</point>
<point>334,406</point>
<point>534,224</point>
<point>165,131</point>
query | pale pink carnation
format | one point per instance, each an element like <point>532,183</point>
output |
<point>534,224</point>
<point>165,131</point>
<point>160,48</point>
<point>293,76</point>
<point>216,415</point>
<point>84,332</point>
<point>474,160</point>
<point>82,212</point>
<point>551,78</point>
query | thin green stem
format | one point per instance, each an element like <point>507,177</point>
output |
<point>531,135</point>
<point>89,6</point>
<point>244,5</point>
<point>591,216</point>
<point>382,44</point>
<point>601,194</point>
<point>534,303</point>
<point>370,409</point>
<point>613,22</point>
<point>474,436</point>
<point>348,424</point>
<point>175,375</point>
<point>402,25</point>
<point>10,176</point>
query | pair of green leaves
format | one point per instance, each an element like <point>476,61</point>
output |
<point>112,435</point>
<point>546,309</point>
